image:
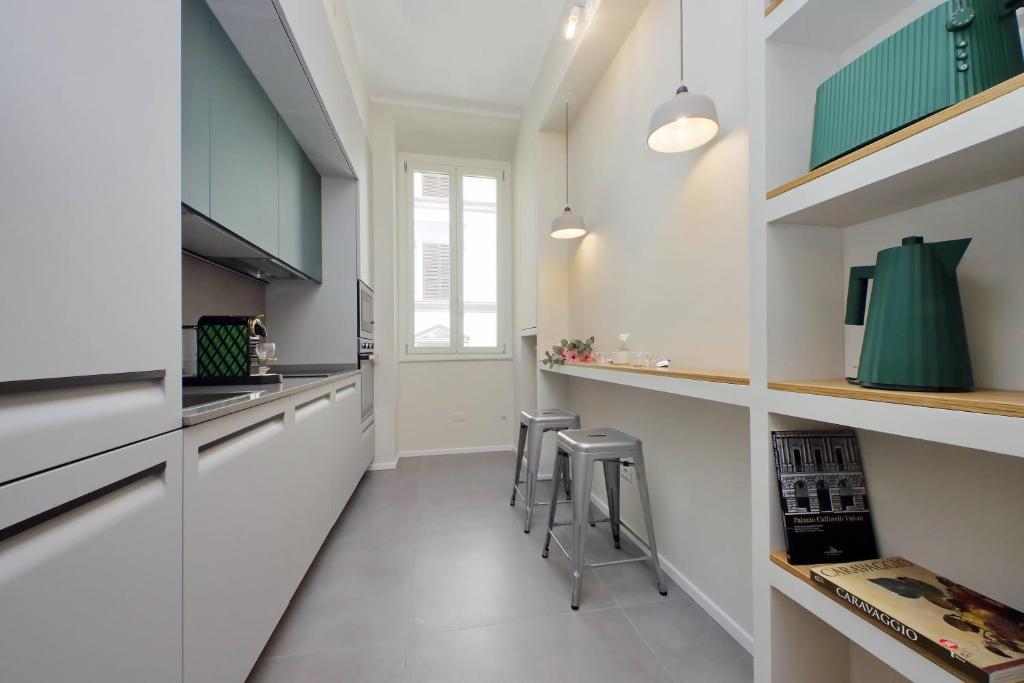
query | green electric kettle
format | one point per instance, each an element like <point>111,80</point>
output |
<point>915,339</point>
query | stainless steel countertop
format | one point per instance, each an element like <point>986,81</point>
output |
<point>256,394</point>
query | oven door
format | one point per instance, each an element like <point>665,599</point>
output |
<point>366,384</point>
<point>365,311</point>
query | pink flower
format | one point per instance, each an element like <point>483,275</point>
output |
<point>571,355</point>
<point>588,357</point>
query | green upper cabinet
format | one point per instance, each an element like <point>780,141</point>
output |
<point>195,105</point>
<point>243,147</point>
<point>240,165</point>
<point>299,227</point>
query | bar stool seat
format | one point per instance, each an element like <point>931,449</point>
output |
<point>581,449</point>
<point>532,426</point>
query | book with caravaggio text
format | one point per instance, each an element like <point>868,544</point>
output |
<point>823,496</point>
<point>957,626</point>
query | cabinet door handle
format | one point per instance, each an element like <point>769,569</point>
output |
<point>65,508</point>
<point>52,383</point>
<point>257,431</point>
<point>312,404</point>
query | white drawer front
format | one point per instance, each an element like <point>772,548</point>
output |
<point>90,569</point>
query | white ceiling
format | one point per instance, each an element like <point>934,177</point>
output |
<point>482,53</point>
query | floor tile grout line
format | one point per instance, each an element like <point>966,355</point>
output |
<point>649,648</point>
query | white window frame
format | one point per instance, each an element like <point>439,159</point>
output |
<point>456,168</point>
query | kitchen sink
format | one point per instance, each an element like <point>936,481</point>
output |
<point>193,400</point>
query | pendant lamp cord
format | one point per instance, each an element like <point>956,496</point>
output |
<point>682,52</point>
<point>567,154</point>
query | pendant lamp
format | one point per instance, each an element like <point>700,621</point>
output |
<point>686,121</point>
<point>568,225</point>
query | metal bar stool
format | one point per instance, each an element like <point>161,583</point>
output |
<point>582,449</point>
<point>532,426</point>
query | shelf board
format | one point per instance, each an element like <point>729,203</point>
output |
<point>988,401</point>
<point>722,387</point>
<point>974,143</point>
<point>910,660</point>
<point>986,420</point>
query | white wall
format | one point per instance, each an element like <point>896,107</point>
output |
<point>207,289</point>
<point>455,405</point>
<point>382,144</point>
<point>433,396</point>
<point>455,134</point>
<point>667,260</point>
<point>698,472</point>
<point>316,323</point>
<point>341,27</point>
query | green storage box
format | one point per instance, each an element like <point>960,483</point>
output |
<point>222,346</point>
<point>957,50</point>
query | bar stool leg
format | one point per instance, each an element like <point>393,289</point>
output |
<point>645,501</point>
<point>560,460</point>
<point>535,437</point>
<point>612,489</point>
<point>584,471</point>
<point>519,462</point>
<point>567,482</point>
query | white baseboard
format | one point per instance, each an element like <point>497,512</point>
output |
<point>382,466</point>
<point>455,451</point>
<point>701,598</point>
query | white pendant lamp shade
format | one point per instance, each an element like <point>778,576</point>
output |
<point>685,122</point>
<point>568,226</point>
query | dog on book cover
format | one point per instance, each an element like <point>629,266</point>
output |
<point>998,625</point>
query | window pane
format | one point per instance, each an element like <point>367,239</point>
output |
<point>480,262</point>
<point>432,276</point>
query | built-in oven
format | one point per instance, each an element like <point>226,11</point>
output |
<point>364,306</point>
<point>365,342</point>
<point>366,386</point>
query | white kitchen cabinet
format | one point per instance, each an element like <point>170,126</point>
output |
<point>310,463</point>
<point>262,488</point>
<point>349,465</point>
<point>90,569</point>
<point>90,258</point>
<point>238,556</point>
<point>369,442</point>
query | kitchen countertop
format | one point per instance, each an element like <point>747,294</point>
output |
<point>252,395</point>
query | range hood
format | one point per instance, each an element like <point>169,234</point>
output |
<point>206,238</point>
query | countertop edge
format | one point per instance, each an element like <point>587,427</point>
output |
<point>194,416</point>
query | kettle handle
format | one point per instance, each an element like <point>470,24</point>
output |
<point>857,297</point>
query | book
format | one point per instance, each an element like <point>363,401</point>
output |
<point>975,634</point>
<point>823,496</point>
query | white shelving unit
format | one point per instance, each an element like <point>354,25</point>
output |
<point>955,174</point>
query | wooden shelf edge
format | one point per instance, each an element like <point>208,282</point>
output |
<point>984,401</point>
<point>902,134</point>
<point>697,375</point>
<point>803,573</point>
<point>772,6</point>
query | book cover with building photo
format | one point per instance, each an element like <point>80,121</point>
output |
<point>973,633</point>
<point>823,496</point>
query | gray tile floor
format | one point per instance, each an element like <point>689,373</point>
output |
<point>428,577</point>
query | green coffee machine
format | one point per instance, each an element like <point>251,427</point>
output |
<point>915,338</point>
<point>949,54</point>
